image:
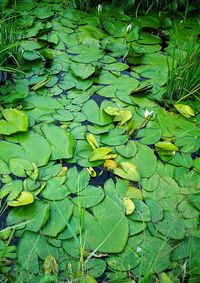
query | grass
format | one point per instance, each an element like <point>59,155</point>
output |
<point>8,45</point>
<point>184,72</point>
<point>84,4</point>
<point>182,6</point>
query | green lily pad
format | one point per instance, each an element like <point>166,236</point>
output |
<point>61,142</point>
<point>15,121</point>
<point>89,197</point>
<point>19,166</point>
<point>55,189</point>
<point>145,160</point>
<point>106,232</point>
<point>61,210</point>
<point>73,228</point>
<point>36,214</point>
<point>95,114</point>
<point>129,150</point>
<point>141,212</point>
<point>95,267</point>
<point>39,154</point>
<point>30,248</point>
<point>127,170</point>
<point>82,71</point>
<point>171,226</point>
<point>12,189</point>
<point>125,261</point>
<point>135,227</point>
<point>114,137</point>
<point>149,135</point>
<point>156,259</point>
<point>76,182</point>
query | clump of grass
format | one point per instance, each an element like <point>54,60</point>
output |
<point>125,4</point>
<point>184,73</point>
<point>8,45</point>
<point>84,4</point>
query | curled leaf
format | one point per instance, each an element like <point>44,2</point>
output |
<point>92,172</point>
<point>121,115</point>
<point>101,153</point>
<point>129,205</point>
<point>110,164</point>
<point>62,172</point>
<point>23,199</point>
<point>166,145</point>
<point>92,141</point>
<point>185,110</point>
<point>50,265</point>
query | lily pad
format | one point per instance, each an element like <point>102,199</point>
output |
<point>59,210</point>
<point>106,232</point>
<point>125,261</point>
<point>61,142</point>
<point>15,121</point>
<point>89,197</point>
<point>95,114</point>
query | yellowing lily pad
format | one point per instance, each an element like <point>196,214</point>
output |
<point>129,205</point>
<point>127,170</point>
<point>15,121</point>
<point>24,198</point>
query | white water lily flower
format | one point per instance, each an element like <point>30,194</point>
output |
<point>138,249</point>
<point>147,113</point>
<point>99,9</point>
<point>129,27</point>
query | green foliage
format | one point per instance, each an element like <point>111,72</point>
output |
<point>184,72</point>
<point>84,4</point>
<point>8,44</point>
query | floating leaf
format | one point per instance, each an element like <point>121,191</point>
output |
<point>82,71</point>
<point>124,261</point>
<point>95,267</point>
<point>144,160</point>
<point>106,232</point>
<point>94,114</point>
<point>91,139</point>
<point>15,121</point>
<point>129,205</point>
<point>31,246</point>
<point>127,170</point>
<point>89,197</point>
<point>115,136</point>
<point>77,181</point>
<point>19,166</point>
<point>121,115</point>
<point>101,153</point>
<point>128,150</point>
<point>166,145</point>
<point>184,110</point>
<point>60,213</point>
<point>61,142</point>
<point>24,198</point>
